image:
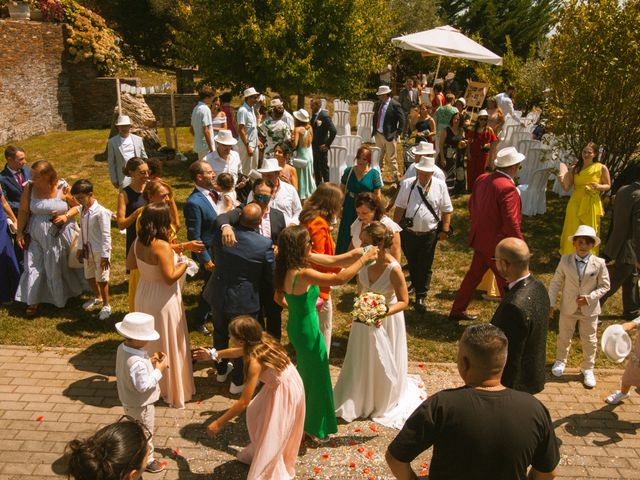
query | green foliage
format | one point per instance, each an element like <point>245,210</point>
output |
<point>525,22</point>
<point>290,46</point>
<point>594,70</point>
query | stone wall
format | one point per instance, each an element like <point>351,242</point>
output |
<point>34,90</point>
<point>160,104</point>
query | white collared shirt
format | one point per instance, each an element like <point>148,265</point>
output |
<point>15,175</point>
<point>247,117</point>
<point>512,284</point>
<point>142,380</point>
<point>200,119</point>
<point>95,230</point>
<point>265,224</point>
<point>207,195</point>
<point>581,264</point>
<point>126,147</point>
<point>382,112</point>
<point>220,165</point>
<point>286,200</point>
<point>411,201</point>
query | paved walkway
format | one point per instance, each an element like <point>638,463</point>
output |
<point>50,397</point>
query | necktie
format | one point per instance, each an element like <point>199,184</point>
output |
<point>214,195</point>
<point>379,126</point>
<point>20,177</point>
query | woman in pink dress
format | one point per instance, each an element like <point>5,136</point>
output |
<point>158,294</point>
<point>275,417</point>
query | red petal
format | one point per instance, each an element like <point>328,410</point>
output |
<point>177,451</point>
<point>198,402</point>
<point>353,442</point>
<point>424,473</point>
<point>370,454</point>
<point>420,386</point>
<point>352,465</point>
<point>325,455</point>
<point>39,418</point>
<point>425,465</point>
<point>333,444</point>
<point>317,469</point>
<point>361,449</point>
<point>357,430</point>
<point>374,303</point>
<point>421,365</point>
<point>421,397</point>
<point>374,428</point>
<point>163,463</point>
<point>365,470</point>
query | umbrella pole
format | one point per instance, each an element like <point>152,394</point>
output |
<point>437,69</point>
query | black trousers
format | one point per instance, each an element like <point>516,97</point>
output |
<point>320,166</point>
<point>270,316</point>
<point>419,250</point>
<point>203,310</point>
<point>626,276</point>
<point>221,321</point>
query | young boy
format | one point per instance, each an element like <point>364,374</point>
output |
<point>138,375</point>
<point>583,279</point>
<point>94,245</point>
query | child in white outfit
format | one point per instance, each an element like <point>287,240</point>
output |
<point>138,375</point>
<point>583,279</point>
<point>226,187</point>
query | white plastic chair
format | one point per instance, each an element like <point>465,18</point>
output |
<point>351,142</point>
<point>534,199</point>
<point>529,166</point>
<point>323,104</point>
<point>337,158</point>
<point>340,104</point>
<point>376,154</point>
<point>341,119</point>
<point>364,126</point>
<point>365,106</point>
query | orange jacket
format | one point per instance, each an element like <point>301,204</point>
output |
<point>321,242</point>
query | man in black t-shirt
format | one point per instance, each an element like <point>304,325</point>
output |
<point>482,430</point>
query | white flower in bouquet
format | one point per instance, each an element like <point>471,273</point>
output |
<point>369,307</point>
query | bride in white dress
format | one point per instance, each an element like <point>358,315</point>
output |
<point>373,381</point>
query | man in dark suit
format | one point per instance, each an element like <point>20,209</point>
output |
<point>200,216</point>
<point>523,316</point>
<point>234,286</point>
<point>408,99</point>
<point>12,178</point>
<point>495,210</point>
<point>623,247</point>
<point>388,123</point>
<point>273,222</point>
<point>324,131</point>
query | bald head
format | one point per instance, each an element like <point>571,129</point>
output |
<point>515,252</point>
<point>251,216</point>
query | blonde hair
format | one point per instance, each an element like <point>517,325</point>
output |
<point>379,233</point>
<point>258,344</point>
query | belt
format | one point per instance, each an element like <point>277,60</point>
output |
<point>422,234</point>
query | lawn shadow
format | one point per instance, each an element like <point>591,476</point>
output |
<point>603,421</point>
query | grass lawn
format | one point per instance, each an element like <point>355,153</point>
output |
<point>431,337</point>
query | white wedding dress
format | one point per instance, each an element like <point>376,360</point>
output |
<point>373,381</point>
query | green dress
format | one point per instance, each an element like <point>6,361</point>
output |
<point>313,363</point>
<point>306,183</point>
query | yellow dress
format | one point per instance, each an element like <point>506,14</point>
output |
<point>584,208</point>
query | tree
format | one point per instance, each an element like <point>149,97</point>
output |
<point>290,46</point>
<point>525,22</point>
<point>594,71</point>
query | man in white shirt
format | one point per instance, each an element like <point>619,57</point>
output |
<point>505,101</point>
<point>120,149</point>
<point>248,132</point>
<point>420,222</point>
<point>202,123</point>
<point>224,159</point>
<point>286,116</point>
<point>285,197</point>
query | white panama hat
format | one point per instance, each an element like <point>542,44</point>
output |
<point>250,92</point>
<point>138,326</point>
<point>616,343</point>
<point>426,164</point>
<point>383,90</point>
<point>507,157</point>
<point>424,148</point>
<point>586,231</point>
<point>225,137</point>
<point>276,102</point>
<point>462,101</point>
<point>483,113</point>
<point>270,165</point>
<point>302,115</point>
<point>123,120</point>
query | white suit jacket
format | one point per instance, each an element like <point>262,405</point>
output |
<point>594,284</point>
<point>116,159</point>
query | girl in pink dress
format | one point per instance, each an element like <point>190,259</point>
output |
<point>275,417</point>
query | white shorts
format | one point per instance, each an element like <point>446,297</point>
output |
<point>92,269</point>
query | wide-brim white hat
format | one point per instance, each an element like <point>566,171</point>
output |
<point>426,164</point>
<point>507,157</point>
<point>616,343</point>
<point>302,115</point>
<point>383,90</point>
<point>123,120</point>
<point>424,148</point>
<point>462,101</point>
<point>586,231</point>
<point>225,137</point>
<point>270,165</point>
<point>138,326</point>
<point>483,113</point>
<point>250,92</point>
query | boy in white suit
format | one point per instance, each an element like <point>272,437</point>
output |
<point>584,279</point>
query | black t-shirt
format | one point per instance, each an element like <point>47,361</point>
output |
<point>480,434</point>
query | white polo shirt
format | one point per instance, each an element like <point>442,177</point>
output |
<point>219,165</point>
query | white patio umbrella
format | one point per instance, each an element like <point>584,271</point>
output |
<point>446,41</point>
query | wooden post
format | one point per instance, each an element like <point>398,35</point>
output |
<point>173,122</point>
<point>118,96</point>
<point>437,69</point>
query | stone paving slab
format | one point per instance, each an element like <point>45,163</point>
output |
<point>51,396</point>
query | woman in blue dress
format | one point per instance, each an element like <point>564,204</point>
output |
<point>303,156</point>
<point>9,271</point>
<point>357,179</point>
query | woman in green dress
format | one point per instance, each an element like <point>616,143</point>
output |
<point>355,180</point>
<point>298,286</point>
<point>303,156</point>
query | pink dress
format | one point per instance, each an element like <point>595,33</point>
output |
<point>164,302</point>
<point>275,420</point>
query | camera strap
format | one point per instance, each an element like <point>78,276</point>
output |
<point>424,198</point>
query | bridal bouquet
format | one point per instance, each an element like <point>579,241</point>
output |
<point>369,307</point>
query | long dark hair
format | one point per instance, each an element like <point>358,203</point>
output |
<point>109,454</point>
<point>155,223</point>
<point>292,253</point>
<point>372,202</point>
<point>580,163</point>
<point>325,202</point>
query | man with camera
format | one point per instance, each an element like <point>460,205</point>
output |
<point>423,210</point>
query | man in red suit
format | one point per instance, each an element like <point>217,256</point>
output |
<point>495,214</point>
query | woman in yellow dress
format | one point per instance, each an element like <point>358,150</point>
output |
<point>589,178</point>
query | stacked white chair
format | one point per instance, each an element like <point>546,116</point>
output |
<point>365,106</point>
<point>340,104</point>
<point>337,158</point>
<point>351,142</point>
<point>528,167</point>
<point>364,126</point>
<point>323,104</point>
<point>533,194</point>
<point>342,121</point>
<point>376,155</point>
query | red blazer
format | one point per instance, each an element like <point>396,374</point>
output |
<point>495,207</point>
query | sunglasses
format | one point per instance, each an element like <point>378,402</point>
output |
<point>262,198</point>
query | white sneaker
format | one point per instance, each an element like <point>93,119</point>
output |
<point>223,378</point>
<point>235,389</point>
<point>558,368</point>
<point>89,304</point>
<point>105,312</point>
<point>589,379</point>
<point>616,397</point>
